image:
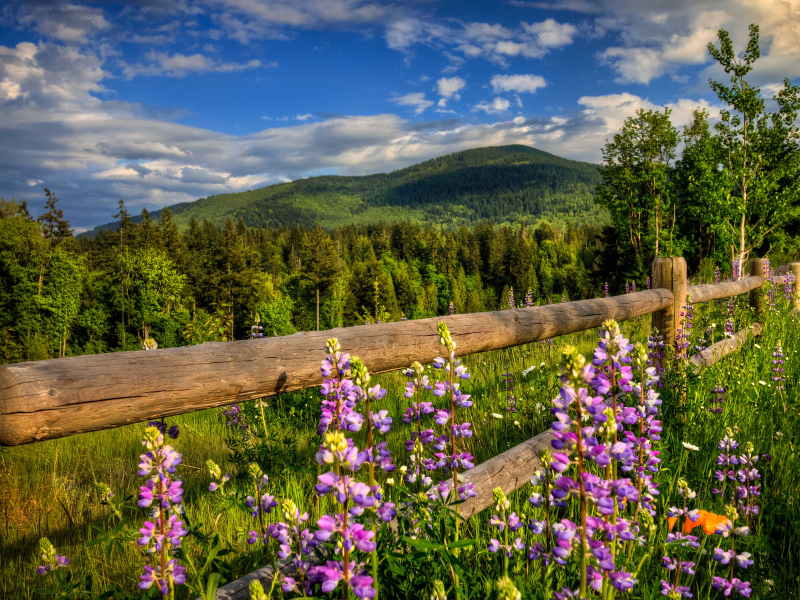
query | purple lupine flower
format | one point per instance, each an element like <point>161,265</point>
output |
<point>341,394</point>
<point>734,585</point>
<point>605,289</point>
<point>508,383</point>
<point>716,400</point>
<point>51,560</point>
<point>344,459</point>
<point>451,308</point>
<point>256,330</point>
<point>171,432</point>
<point>511,301</point>
<point>777,368</point>
<point>717,275</point>
<point>529,298</point>
<point>158,464</point>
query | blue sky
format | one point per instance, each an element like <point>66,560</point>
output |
<point>165,101</point>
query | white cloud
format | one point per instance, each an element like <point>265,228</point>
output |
<point>550,33</point>
<point>180,65</point>
<point>65,22</point>
<point>448,88</point>
<point>304,117</point>
<point>93,152</point>
<point>415,99</point>
<point>498,105</point>
<point>634,65</point>
<point>583,6</point>
<point>517,83</point>
<point>653,42</point>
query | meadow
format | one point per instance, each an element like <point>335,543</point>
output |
<point>57,489</point>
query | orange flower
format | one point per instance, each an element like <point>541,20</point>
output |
<point>711,523</point>
<point>708,521</point>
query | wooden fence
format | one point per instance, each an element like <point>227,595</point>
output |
<point>41,400</point>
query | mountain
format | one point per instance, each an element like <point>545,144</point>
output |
<point>504,183</point>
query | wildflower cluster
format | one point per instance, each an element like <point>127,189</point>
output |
<point>339,392</point>
<point>680,541</point>
<point>717,399</point>
<point>51,560</point>
<point>589,427</point>
<point>348,536</point>
<point>777,368</point>
<point>508,387</point>
<point>164,496</point>
<point>455,460</point>
<point>724,557</point>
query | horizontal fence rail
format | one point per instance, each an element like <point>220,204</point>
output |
<point>703,293</point>
<point>55,398</point>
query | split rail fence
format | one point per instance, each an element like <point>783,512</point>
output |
<point>42,400</point>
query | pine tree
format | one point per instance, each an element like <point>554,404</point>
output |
<point>125,221</point>
<point>54,227</point>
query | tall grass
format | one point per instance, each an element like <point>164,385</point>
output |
<point>48,489</point>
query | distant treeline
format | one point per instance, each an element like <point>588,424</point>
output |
<point>65,296</point>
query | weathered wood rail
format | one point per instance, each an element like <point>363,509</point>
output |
<point>49,399</point>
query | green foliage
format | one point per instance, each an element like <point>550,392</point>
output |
<point>505,184</point>
<point>634,189</point>
<point>758,149</point>
<point>151,285</point>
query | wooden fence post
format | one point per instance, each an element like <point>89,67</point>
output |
<point>756,301</point>
<point>670,273</point>
<point>795,267</point>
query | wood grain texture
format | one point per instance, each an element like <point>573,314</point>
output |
<point>670,273</point>
<point>509,471</point>
<point>704,293</point>
<point>716,352</point>
<point>239,589</point>
<point>42,400</point>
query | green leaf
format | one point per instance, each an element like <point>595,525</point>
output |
<point>423,544</point>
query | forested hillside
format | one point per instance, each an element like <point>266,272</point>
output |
<point>65,296</point>
<point>505,184</point>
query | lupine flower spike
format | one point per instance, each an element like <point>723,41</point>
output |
<point>164,494</point>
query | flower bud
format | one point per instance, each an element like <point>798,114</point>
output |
<point>438,591</point>
<point>213,469</point>
<point>359,372</point>
<point>255,472</point>
<point>332,346</point>
<point>506,590</point>
<point>257,590</point>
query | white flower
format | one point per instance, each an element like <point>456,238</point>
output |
<point>403,469</point>
<point>528,370</point>
<point>390,481</point>
<point>757,346</point>
<point>497,416</point>
<point>516,423</point>
<point>762,382</point>
<point>713,325</point>
<point>689,446</point>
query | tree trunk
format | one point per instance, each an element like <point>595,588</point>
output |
<point>742,247</point>
<point>317,308</point>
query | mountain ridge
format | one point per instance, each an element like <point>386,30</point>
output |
<point>501,183</point>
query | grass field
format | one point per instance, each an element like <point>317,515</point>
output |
<point>49,489</point>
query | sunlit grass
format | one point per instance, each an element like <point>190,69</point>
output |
<point>48,488</point>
